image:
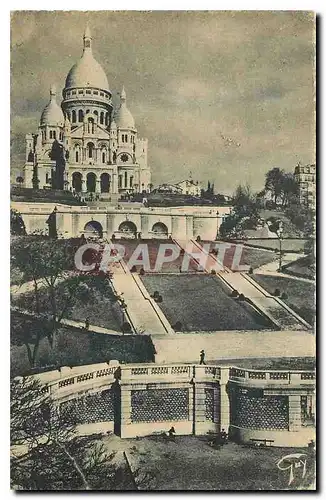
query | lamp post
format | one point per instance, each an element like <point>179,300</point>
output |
<point>279,233</point>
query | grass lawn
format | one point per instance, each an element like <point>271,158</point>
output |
<point>190,464</point>
<point>97,304</point>
<point>202,302</point>
<point>288,245</point>
<point>301,267</point>
<point>252,257</point>
<point>301,294</point>
<point>76,347</point>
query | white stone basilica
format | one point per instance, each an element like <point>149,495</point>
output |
<point>83,146</point>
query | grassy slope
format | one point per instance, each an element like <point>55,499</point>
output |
<point>202,303</point>
<point>301,294</point>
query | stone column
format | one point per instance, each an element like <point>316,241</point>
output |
<point>144,226</point>
<point>200,408</point>
<point>98,186</point>
<point>125,409</point>
<point>109,225</point>
<point>84,185</point>
<point>294,412</point>
<point>114,183</point>
<point>224,400</point>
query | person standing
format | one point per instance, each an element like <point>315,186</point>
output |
<point>202,357</point>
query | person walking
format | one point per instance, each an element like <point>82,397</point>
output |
<point>202,357</point>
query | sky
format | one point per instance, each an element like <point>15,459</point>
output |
<point>223,95</point>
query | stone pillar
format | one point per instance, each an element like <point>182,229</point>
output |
<point>199,404</point>
<point>224,400</point>
<point>294,412</point>
<point>109,225</point>
<point>114,184</point>
<point>144,226</point>
<point>98,186</point>
<point>84,185</point>
<point>189,227</point>
<point>125,409</point>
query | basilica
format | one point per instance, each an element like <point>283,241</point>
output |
<point>84,145</point>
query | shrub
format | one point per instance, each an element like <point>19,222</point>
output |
<point>142,272</point>
<point>251,271</point>
<point>133,269</point>
<point>198,238</point>
<point>284,296</point>
<point>177,326</point>
<point>156,294</point>
<point>234,293</point>
<point>277,292</point>
<point>242,297</point>
<point>159,299</point>
<point>213,271</point>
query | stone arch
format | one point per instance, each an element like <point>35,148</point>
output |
<point>105,182</point>
<point>77,181</point>
<point>128,227</point>
<point>160,229</point>
<point>80,115</point>
<point>91,182</point>
<point>93,228</point>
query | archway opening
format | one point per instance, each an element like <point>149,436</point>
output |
<point>128,227</point>
<point>77,181</point>
<point>90,150</point>
<point>91,182</point>
<point>105,183</point>
<point>160,230</point>
<point>93,229</point>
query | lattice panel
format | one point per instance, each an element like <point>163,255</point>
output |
<point>90,409</point>
<point>265,412</point>
<point>156,405</point>
<point>209,404</point>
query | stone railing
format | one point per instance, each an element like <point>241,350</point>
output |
<point>77,380</point>
<point>271,377</point>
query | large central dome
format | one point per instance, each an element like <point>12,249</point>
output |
<point>87,72</point>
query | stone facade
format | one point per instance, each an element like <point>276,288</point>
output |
<point>138,400</point>
<point>305,176</point>
<point>85,145</point>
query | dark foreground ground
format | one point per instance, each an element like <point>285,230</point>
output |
<point>190,464</point>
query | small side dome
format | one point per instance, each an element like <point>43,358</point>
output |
<point>52,113</point>
<point>124,118</point>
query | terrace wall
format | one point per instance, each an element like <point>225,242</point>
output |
<point>138,400</point>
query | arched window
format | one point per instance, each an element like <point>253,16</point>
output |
<point>131,181</point>
<point>96,113</point>
<point>103,157</point>
<point>80,115</point>
<point>73,116</point>
<point>77,156</point>
<point>102,118</point>
<point>77,181</point>
<point>126,180</point>
<point>106,118</point>
<point>90,150</point>
<point>90,125</point>
<point>54,134</point>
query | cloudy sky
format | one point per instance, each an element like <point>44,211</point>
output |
<point>225,95</point>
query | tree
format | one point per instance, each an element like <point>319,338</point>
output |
<point>46,454</point>
<point>274,182</point>
<point>17,226</point>
<point>45,263</point>
<point>29,331</point>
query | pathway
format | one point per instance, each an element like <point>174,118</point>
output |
<point>279,313</point>
<point>70,322</point>
<point>186,347</point>
<point>145,315</point>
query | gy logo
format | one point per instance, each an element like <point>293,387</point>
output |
<point>291,462</point>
